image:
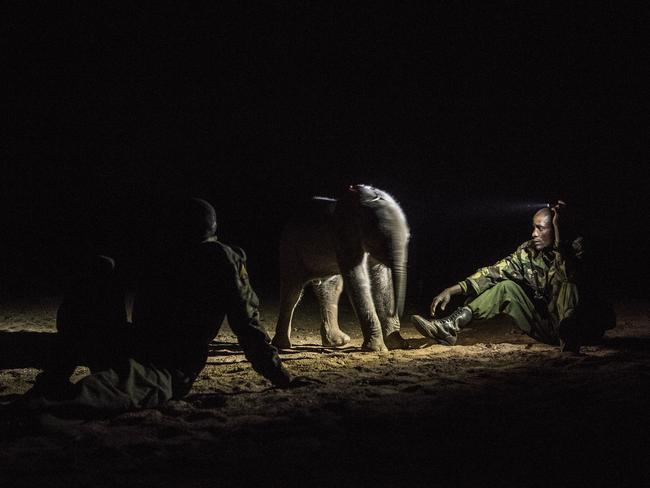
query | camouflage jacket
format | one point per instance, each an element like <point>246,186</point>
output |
<point>541,272</point>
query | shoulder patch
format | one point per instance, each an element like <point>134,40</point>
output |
<point>243,273</point>
<point>239,251</point>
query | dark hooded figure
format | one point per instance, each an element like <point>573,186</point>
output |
<point>192,283</point>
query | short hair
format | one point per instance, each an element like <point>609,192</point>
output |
<point>194,218</point>
<point>544,211</point>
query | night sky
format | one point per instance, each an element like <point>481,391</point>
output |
<point>463,114</point>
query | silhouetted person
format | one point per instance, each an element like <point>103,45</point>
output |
<point>543,286</point>
<point>91,323</point>
<point>194,282</point>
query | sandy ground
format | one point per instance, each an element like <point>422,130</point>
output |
<point>496,410</point>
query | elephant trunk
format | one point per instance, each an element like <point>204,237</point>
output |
<point>398,271</point>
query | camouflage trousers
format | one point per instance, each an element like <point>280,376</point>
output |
<point>127,385</point>
<point>542,321</point>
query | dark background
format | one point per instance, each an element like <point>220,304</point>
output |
<point>464,114</point>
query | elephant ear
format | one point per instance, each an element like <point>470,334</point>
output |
<point>370,220</point>
<point>386,235</point>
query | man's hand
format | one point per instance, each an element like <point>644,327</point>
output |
<point>441,299</point>
<point>556,209</point>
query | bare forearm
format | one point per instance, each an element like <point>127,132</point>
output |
<point>442,299</point>
<point>455,290</point>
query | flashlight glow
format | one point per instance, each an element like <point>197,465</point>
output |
<point>527,206</point>
<point>504,207</point>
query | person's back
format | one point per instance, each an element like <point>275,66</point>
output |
<point>181,305</point>
<point>194,282</point>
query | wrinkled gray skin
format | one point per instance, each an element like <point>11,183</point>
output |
<point>358,242</point>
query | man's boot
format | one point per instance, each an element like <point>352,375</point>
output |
<point>445,330</point>
<point>569,335</point>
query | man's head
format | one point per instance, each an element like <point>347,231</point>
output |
<point>543,235</point>
<point>194,220</point>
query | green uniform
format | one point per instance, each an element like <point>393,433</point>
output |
<point>540,290</point>
<point>178,310</point>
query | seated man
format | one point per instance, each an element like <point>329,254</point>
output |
<point>194,283</point>
<point>542,286</point>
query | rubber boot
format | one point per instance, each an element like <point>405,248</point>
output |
<point>444,330</point>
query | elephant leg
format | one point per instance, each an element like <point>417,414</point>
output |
<point>290,294</point>
<point>357,284</point>
<point>328,292</point>
<point>381,286</point>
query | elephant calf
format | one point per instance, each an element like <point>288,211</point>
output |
<point>358,241</point>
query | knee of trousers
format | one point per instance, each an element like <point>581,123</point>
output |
<point>508,286</point>
<point>509,294</point>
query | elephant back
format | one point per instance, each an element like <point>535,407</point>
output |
<point>314,211</point>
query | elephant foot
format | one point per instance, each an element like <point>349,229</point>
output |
<point>374,345</point>
<point>394,340</point>
<point>281,342</point>
<point>336,338</point>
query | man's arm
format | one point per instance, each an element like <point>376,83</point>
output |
<point>508,268</point>
<point>568,255</point>
<point>243,318</point>
<point>443,298</point>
